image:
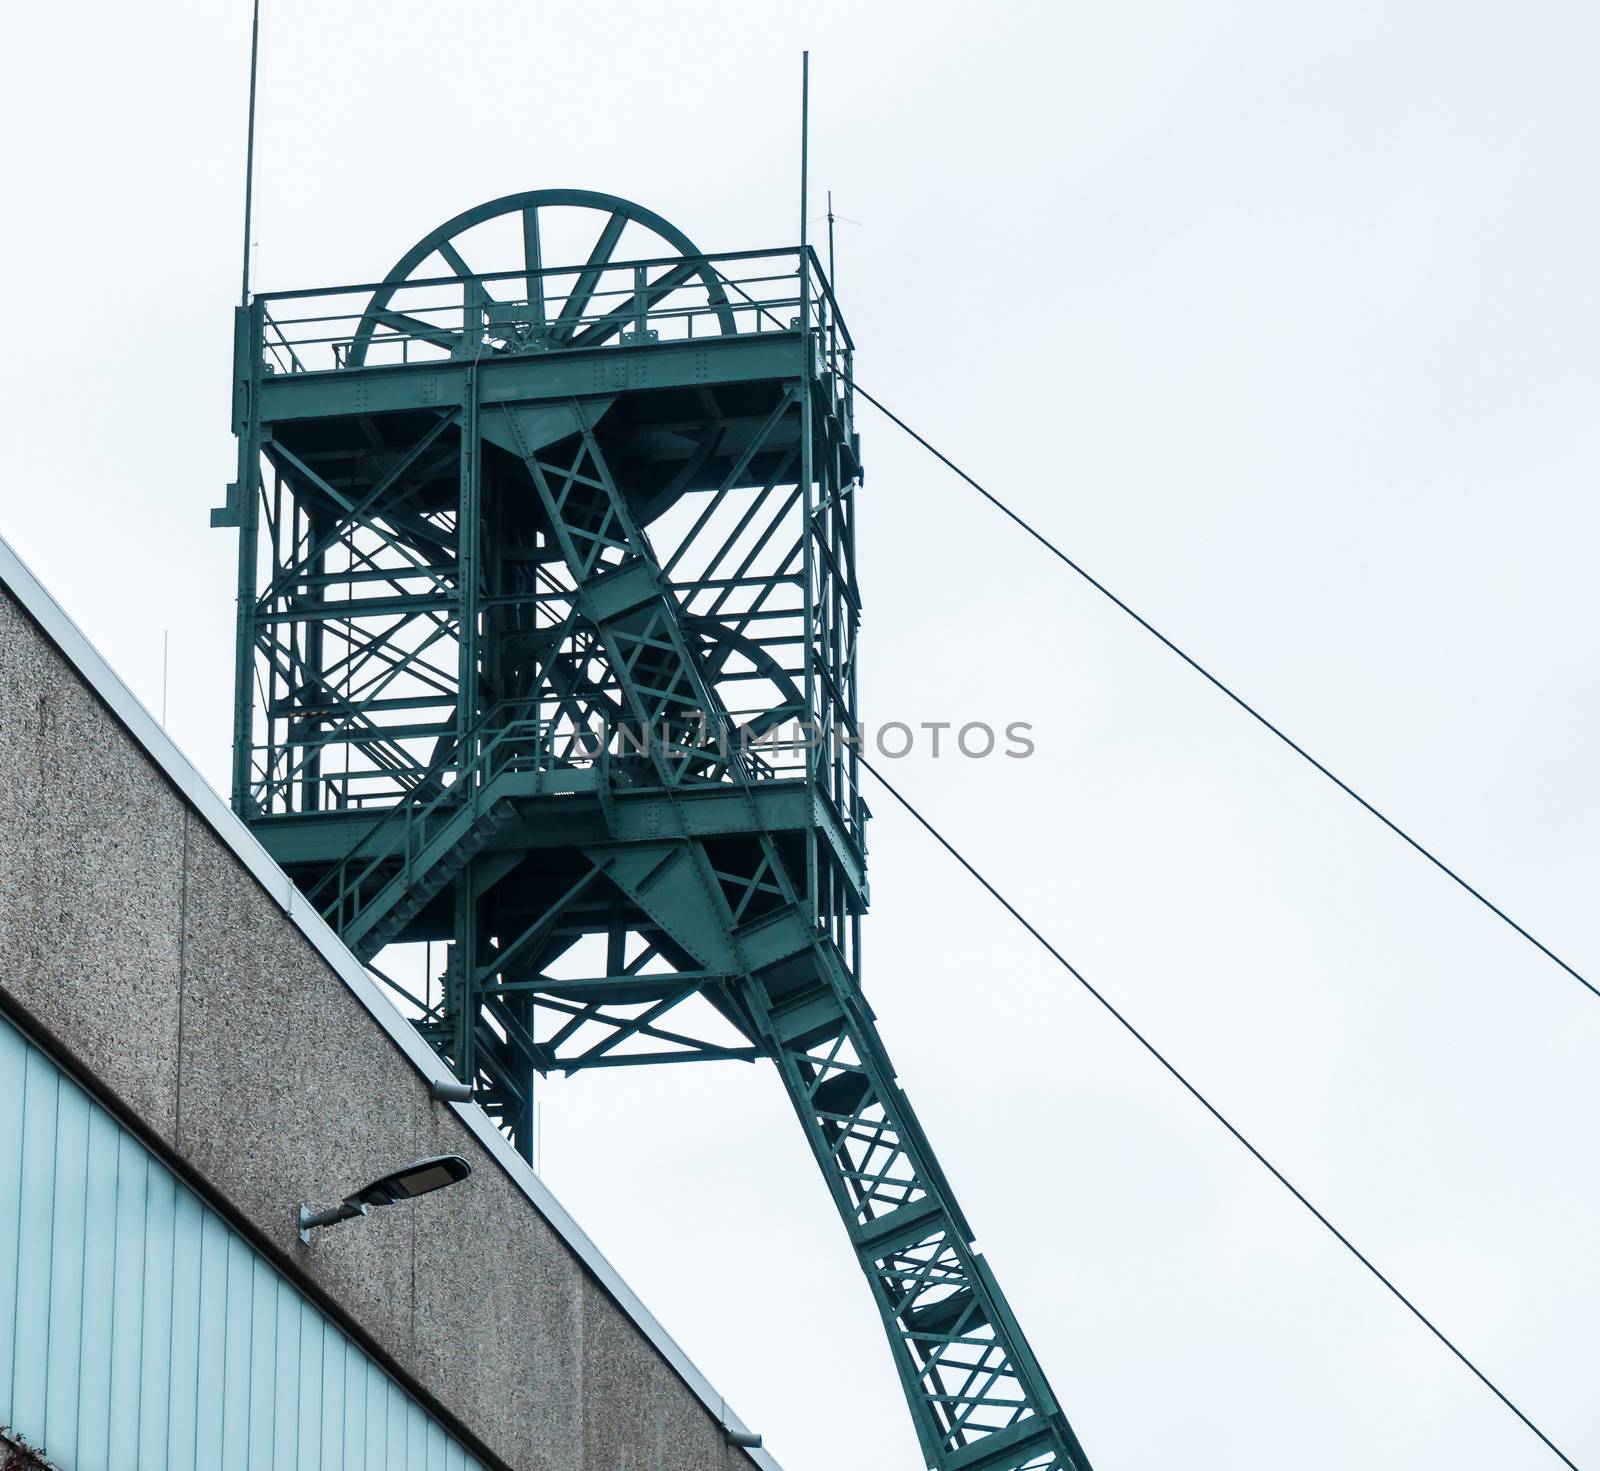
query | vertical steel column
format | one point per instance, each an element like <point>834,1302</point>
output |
<point>461,983</point>
<point>245,502</point>
<point>469,556</point>
<point>808,503</point>
<point>469,530</point>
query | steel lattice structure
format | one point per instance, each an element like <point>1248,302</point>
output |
<point>547,658</point>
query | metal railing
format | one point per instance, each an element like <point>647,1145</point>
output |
<point>771,752</point>
<point>498,746</point>
<point>559,308</point>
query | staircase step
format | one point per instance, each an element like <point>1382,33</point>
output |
<point>433,878</point>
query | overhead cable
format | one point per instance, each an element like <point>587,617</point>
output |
<point>1237,699</point>
<point>1215,1113</point>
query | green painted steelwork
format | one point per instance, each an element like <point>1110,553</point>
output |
<point>546,696</point>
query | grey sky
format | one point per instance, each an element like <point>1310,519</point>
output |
<point>1283,319</point>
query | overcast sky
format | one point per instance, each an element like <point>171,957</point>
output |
<point>1284,320</point>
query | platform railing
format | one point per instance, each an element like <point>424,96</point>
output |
<point>772,751</point>
<point>560,308</point>
<point>504,741</point>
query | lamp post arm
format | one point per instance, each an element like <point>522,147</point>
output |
<point>346,1210</point>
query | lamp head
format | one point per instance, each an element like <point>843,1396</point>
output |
<point>407,1183</point>
<point>417,1178</point>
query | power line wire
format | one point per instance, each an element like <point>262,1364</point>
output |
<point>1211,1109</point>
<point>1237,699</point>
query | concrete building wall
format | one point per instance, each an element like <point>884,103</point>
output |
<point>154,947</point>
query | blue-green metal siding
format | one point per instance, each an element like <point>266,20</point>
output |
<point>138,1332</point>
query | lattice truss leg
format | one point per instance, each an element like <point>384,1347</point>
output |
<point>977,1393</point>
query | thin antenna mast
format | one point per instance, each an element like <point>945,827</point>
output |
<point>805,149</point>
<point>250,151</point>
<point>832,279</point>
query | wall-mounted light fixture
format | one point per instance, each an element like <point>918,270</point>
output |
<point>406,1183</point>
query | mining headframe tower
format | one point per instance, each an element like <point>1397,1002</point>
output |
<point>546,695</point>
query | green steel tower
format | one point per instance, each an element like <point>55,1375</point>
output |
<point>546,697</point>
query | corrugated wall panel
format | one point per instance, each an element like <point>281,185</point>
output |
<point>99,1289</point>
<point>13,1060</point>
<point>164,1334</point>
<point>139,1332</point>
<point>35,1222</point>
<point>127,1298</point>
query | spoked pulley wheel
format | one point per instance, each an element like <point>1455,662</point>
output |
<point>567,243</point>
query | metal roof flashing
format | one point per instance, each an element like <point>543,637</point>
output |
<point>182,773</point>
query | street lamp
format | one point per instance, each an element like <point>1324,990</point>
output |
<point>406,1183</point>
